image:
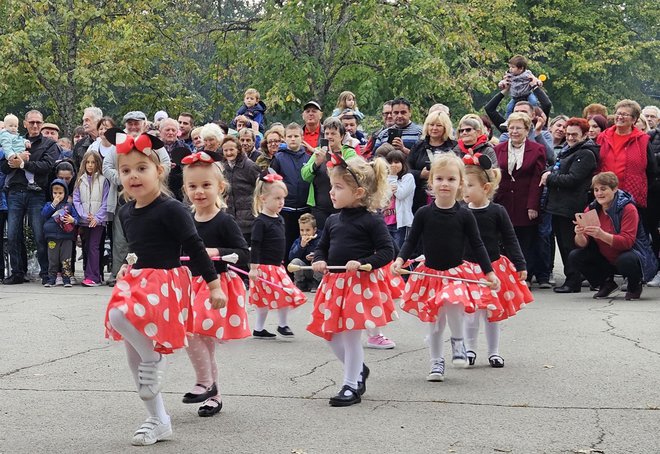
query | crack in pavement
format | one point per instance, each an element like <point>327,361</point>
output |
<point>399,354</point>
<point>51,361</point>
<point>314,393</point>
<point>382,404</point>
<point>601,436</point>
<point>395,401</point>
<point>295,378</point>
<point>611,328</point>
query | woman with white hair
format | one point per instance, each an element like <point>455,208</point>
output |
<point>212,136</point>
<point>473,138</point>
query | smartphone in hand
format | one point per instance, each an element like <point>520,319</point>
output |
<point>393,133</point>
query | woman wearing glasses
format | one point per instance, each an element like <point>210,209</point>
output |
<point>271,142</point>
<point>624,150</point>
<point>473,138</point>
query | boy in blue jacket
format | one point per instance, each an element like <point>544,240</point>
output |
<point>302,254</point>
<point>60,219</point>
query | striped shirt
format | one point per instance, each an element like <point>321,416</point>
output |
<point>410,135</point>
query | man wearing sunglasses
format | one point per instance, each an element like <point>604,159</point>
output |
<point>24,198</point>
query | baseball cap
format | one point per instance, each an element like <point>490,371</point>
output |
<point>312,104</point>
<point>135,115</point>
<point>50,126</point>
<point>160,115</point>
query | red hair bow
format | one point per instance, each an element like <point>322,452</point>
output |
<point>336,160</point>
<point>200,156</point>
<point>124,143</point>
<point>271,177</point>
<point>478,159</point>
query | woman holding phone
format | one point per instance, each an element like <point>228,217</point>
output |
<point>437,137</point>
<point>568,190</point>
<point>316,173</point>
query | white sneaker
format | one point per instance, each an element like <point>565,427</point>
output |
<point>655,282</point>
<point>151,431</point>
<point>150,378</point>
<point>58,280</point>
<point>437,371</point>
<point>74,281</point>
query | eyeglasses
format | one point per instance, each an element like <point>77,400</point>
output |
<point>622,115</point>
<point>35,122</point>
<point>515,128</point>
<point>274,142</point>
<point>466,130</point>
<point>387,114</point>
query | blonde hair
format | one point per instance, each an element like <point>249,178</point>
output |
<point>223,186</point>
<point>520,116</point>
<point>252,91</point>
<point>263,188</point>
<point>11,117</point>
<point>490,177</point>
<point>162,178</point>
<point>307,218</point>
<point>443,119</point>
<point>371,176</point>
<point>443,161</point>
<point>197,131</point>
<point>82,172</point>
<point>343,96</point>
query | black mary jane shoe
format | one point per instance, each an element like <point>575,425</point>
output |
<point>343,400</point>
<point>190,398</point>
<point>208,410</point>
<point>496,361</point>
<point>362,384</point>
<point>472,357</point>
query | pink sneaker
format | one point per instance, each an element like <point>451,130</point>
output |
<point>89,283</point>
<point>380,342</point>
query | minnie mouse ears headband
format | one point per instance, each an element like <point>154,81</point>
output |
<point>200,156</point>
<point>124,143</point>
<point>336,160</point>
<point>479,160</point>
<point>270,176</point>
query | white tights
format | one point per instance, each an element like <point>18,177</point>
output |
<point>262,313</point>
<point>449,314</point>
<point>201,351</point>
<point>139,348</point>
<point>492,332</point>
<point>347,347</point>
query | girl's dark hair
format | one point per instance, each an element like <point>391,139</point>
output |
<point>66,166</point>
<point>108,120</point>
<point>398,156</point>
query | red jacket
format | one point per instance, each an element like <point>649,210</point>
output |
<point>633,179</point>
<point>522,192</point>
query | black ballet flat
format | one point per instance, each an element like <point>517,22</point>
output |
<point>362,385</point>
<point>341,400</point>
<point>190,398</point>
<point>207,410</point>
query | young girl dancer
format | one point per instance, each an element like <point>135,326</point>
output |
<point>90,198</point>
<point>352,299</point>
<point>444,227</point>
<point>151,301</point>
<point>266,257</point>
<point>204,184</point>
<point>495,227</point>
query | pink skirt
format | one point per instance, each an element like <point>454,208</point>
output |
<point>224,324</point>
<point>424,295</point>
<point>513,294</point>
<point>265,295</point>
<point>352,301</point>
<point>157,303</point>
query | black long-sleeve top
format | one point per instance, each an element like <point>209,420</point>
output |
<point>444,233</point>
<point>491,107</point>
<point>355,234</point>
<point>156,233</point>
<point>222,232</point>
<point>268,240</point>
<point>496,229</point>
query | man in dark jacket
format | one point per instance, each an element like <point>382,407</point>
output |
<point>652,220</point>
<point>91,117</point>
<point>24,198</point>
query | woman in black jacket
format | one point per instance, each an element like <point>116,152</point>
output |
<point>568,188</point>
<point>437,137</point>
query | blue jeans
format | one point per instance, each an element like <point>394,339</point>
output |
<point>543,250</point>
<point>21,203</point>
<point>398,235</point>
<point>532,99</point>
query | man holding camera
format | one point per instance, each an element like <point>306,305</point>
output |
<point>404,134</point>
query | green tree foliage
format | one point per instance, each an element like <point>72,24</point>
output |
<point>62,55</point>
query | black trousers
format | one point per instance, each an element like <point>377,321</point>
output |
<point>291,227</point>
<point>595,267</point>
<point>527,235</point>
<point>652,220</point>
<point>565,233</point>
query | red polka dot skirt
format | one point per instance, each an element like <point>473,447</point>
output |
<point>156,302</point>
<point>396,283</point>
<point>513,294</point>
<point>264,295</point>
<point>352,301</point>
<point>424,296</point>
<point>224,324</point>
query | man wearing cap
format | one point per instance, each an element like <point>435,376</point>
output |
<point>312,130</point>
<point>134,123</point>
<point>91,117</point>
<point>355,136</point>
<point>51,130</point>
<point>24,198</point>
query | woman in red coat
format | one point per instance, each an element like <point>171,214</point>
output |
<point>522,163</point>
